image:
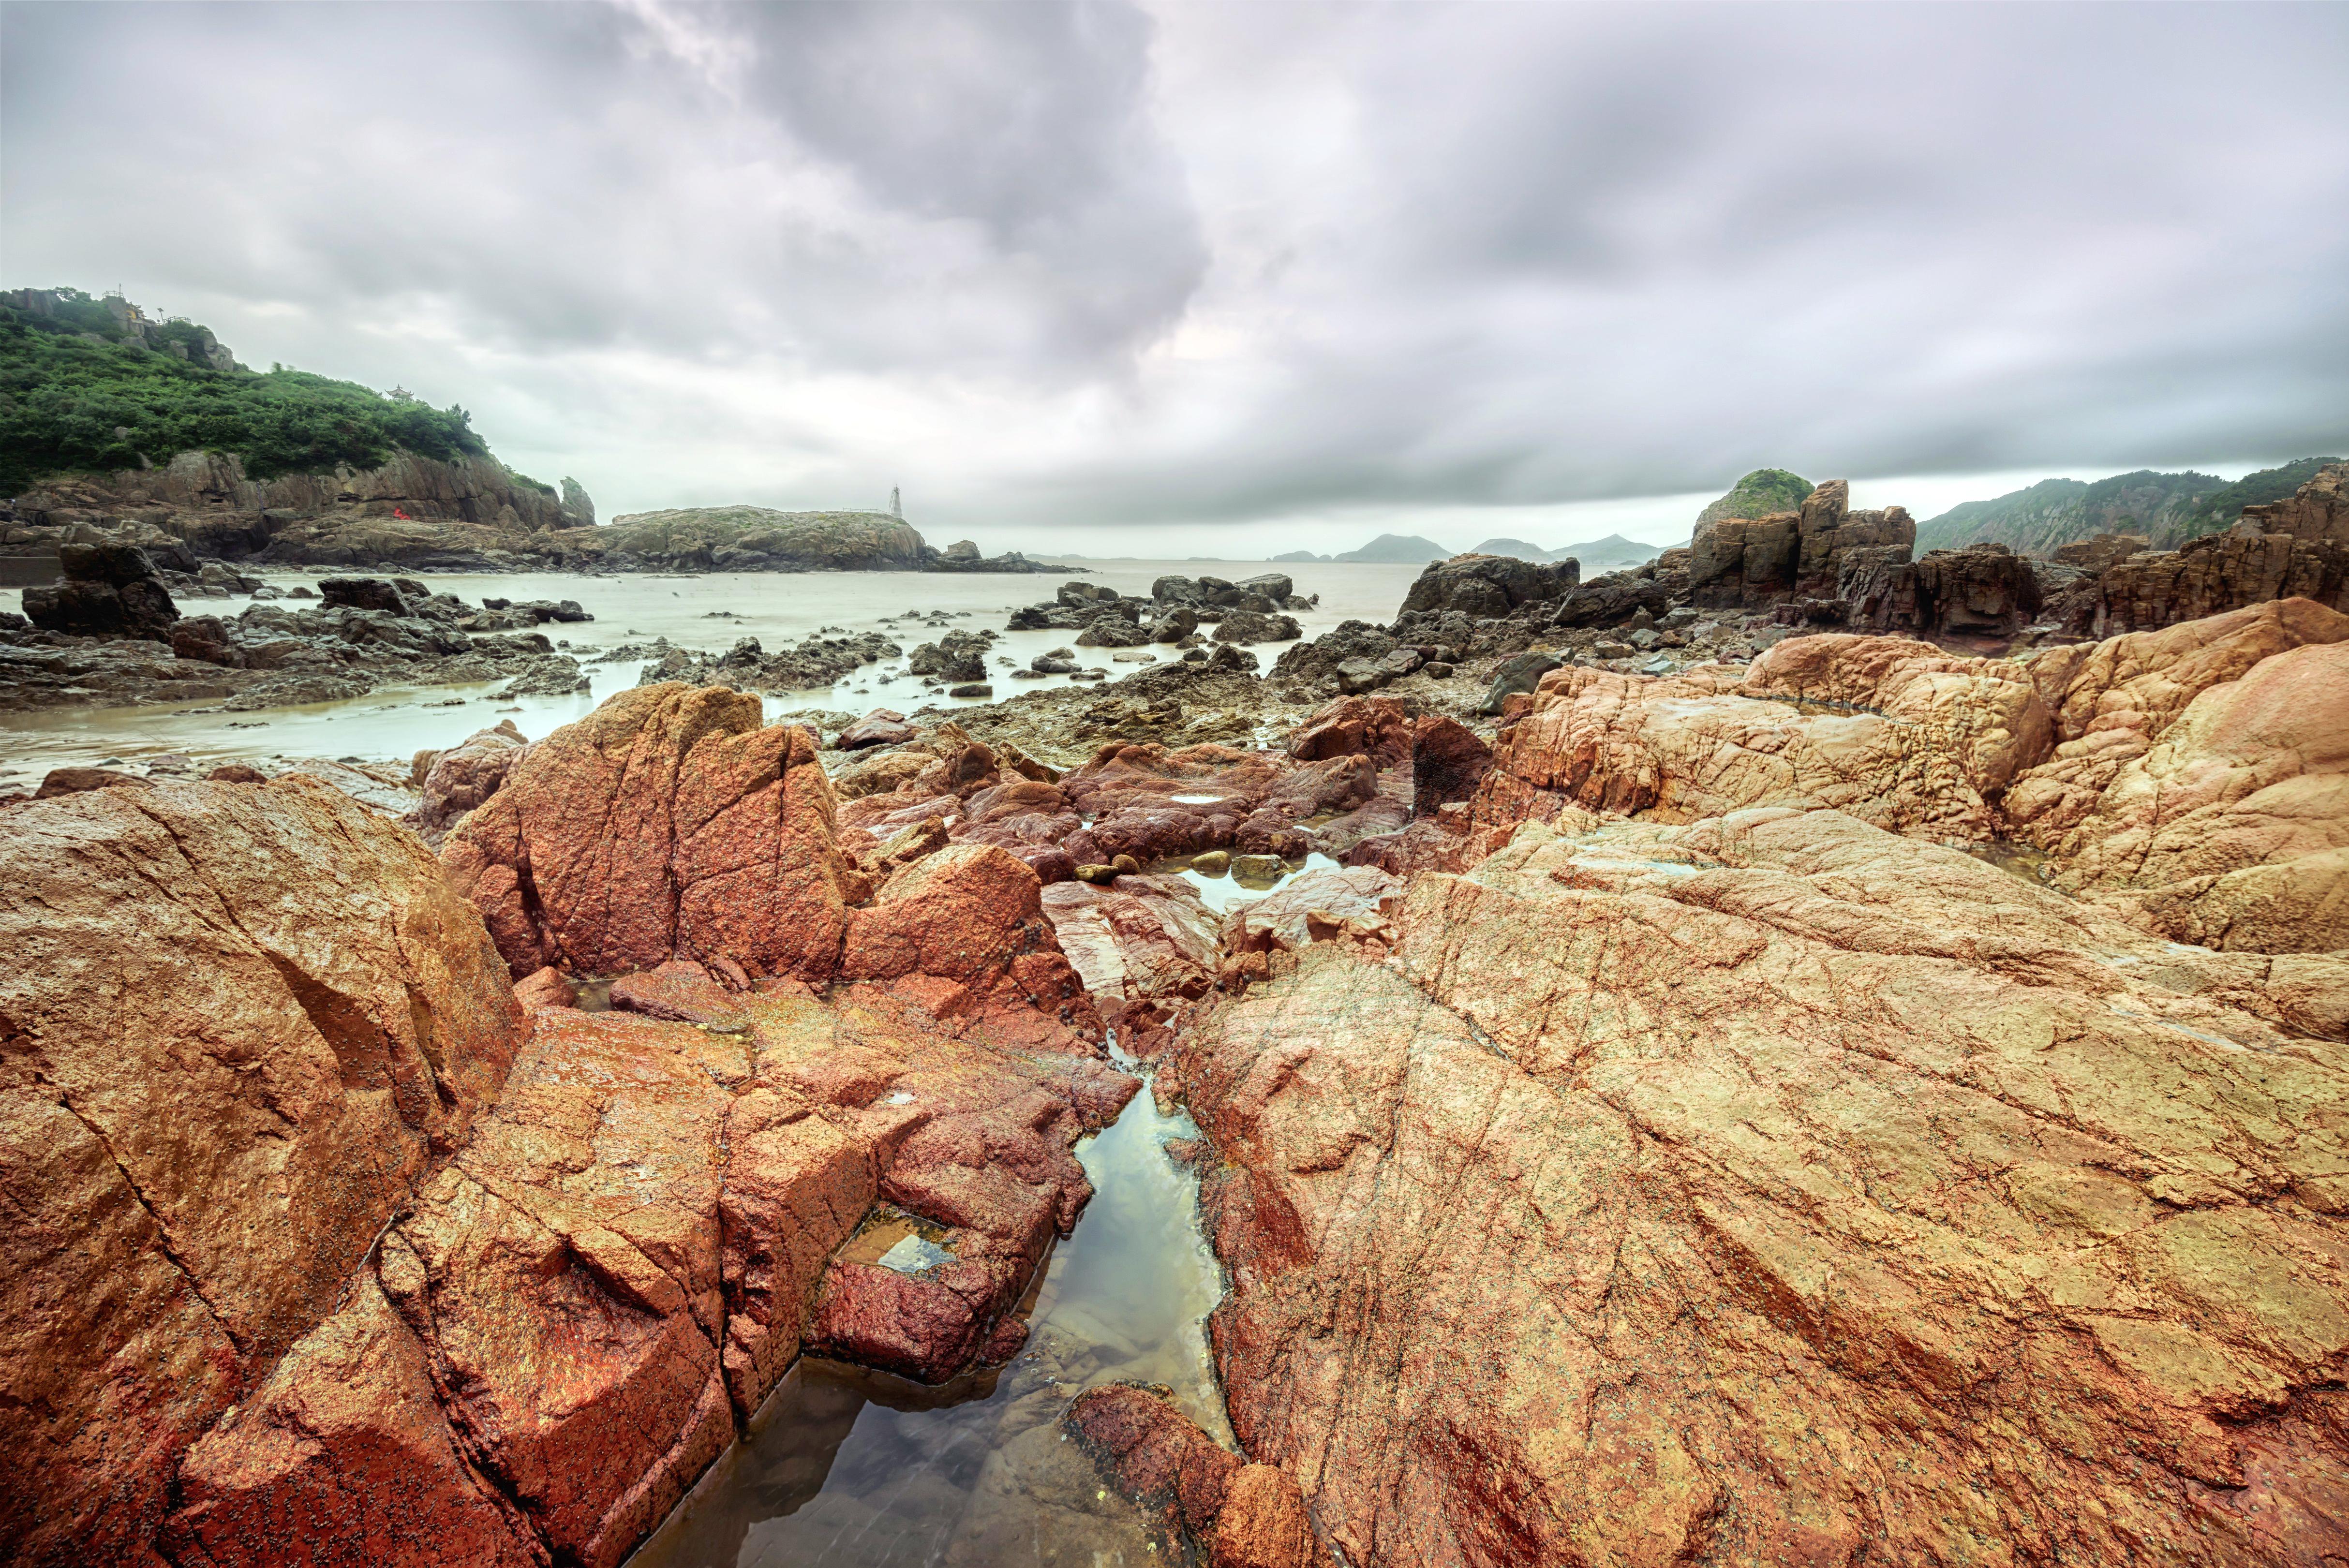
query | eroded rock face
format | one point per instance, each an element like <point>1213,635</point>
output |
<point>1235,1514</point>
<point>107,590</point>
<point>584,1305</point>
<point>237,1021</point>
<point>464,776</point>
<point>668,823</point>
<point>1775,1189</point>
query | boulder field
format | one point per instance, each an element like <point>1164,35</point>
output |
<point>1866,1105</point>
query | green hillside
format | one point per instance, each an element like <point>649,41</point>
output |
<point>71,403</point>
<point>2167,508</point>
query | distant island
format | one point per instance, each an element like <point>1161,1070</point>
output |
<point>1397,550</point>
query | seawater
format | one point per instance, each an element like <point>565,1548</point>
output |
<point>711,611</point>
<point>856,1468</point>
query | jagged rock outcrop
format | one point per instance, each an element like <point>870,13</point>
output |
<point>411,511</point>
<point>1234,1514</point>
<point>668,824</point>
<point>2222,830</point>
<point>107,590</point>
<point>366,632</point>
<point>1777,1187</point>
<point>237,1022</point>
<point>2296,548</point>
<point>814,661</point>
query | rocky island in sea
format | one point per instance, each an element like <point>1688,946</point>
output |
<point>1796,1050</point>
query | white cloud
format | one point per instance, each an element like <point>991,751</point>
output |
<point>1200,273</point>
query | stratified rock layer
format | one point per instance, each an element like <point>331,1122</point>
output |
<point>1778,1189</point>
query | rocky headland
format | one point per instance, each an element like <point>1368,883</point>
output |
<point>1682,1075</point>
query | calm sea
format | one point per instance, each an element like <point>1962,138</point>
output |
<point>706,612</point>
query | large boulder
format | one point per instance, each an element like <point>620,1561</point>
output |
<point>464,776</point>
<point>1780,1170</point>
<point>668,823</point>
<point>585,1307</point>
<point>1486,586</point>
<point>109,589</point>
<point>237,1022</point>
<point>2203,777</point>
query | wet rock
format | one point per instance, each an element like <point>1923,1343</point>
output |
<point>972,688</point>
<point>1213,863</point>
<point>1138,939</point>
<point>1234,1514</point>
<point>815,661</point>
<point>107,590</point>
<point>1520,674</point>
<point>1257,871</point>
<point>241,1018</point>
<point>1173,624</point>
<point>1253,626</point>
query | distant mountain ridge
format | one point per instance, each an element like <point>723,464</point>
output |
<point>2168,509</point>
<point>1397,550</point>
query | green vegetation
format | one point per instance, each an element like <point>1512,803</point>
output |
<point>68,405</point>
<point>1758,494</point>
<point>2221,507</point>
<point>2168,509</point>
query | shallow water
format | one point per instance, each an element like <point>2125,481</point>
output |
<point>1220,893</point>
<point>854,1468</point>
<point>706,612</point>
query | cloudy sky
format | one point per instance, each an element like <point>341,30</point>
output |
<point>1188,278</point>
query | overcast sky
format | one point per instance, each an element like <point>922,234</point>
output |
<point>1177,279</point>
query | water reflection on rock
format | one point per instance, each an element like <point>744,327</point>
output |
<point>856,1468</point>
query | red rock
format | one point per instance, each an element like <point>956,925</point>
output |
<point>664,824</point>
<point>235,1023</point>
<point>970,913</point>
<point>1775,1188</point>
<point>1237,1515</point>
<point>1374,726</point>
<point>1316,906</point>
<point>545,988</point>
<point>464,776</point>
<point>342,1457</point>
<point>1142,938</point>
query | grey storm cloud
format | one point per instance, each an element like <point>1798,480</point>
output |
<point>1089,263</point>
